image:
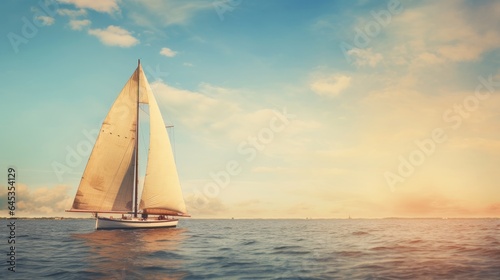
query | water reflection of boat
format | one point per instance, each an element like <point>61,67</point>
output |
<point>121,254</point>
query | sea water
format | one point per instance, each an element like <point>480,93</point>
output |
<point>258,249</point>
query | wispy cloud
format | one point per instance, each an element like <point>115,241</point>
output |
<point>46,20</point>
<point>168,52</point>
<point>71,13</point>
<point>149,13</point>
<point>79,24</point>
<point>114,36</point>
<point>214,112</point>
<point>330,85</point>
<point>470,30</point>
<point>365,57</point>
<point>104,6</point>
<point>195,109</point>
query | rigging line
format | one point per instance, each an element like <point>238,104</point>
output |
<point>143,145</point>
<point>173,146</point>
<point>143,142</point>
<point>144,148</point>
<point>165,113</point>
<point>172,139</point>
<point>142,109</point>
<point>167,127</point>
<point>145,151</point>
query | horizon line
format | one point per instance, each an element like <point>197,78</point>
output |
<point>243,218</point>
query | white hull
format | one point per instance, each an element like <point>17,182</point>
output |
<point>107,223</point>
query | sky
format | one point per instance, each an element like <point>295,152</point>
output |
<point>281,109</point>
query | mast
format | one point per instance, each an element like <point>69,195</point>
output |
<point>136,185</point>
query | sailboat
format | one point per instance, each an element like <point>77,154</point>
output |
<point>110,182</point>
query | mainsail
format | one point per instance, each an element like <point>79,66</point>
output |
<point>162,191</point>
<point>108,180</point>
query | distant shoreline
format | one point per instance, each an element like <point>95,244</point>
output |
<point>45,218</point>
<point>384,218</point>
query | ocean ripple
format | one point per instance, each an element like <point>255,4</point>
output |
<point>261,249</point>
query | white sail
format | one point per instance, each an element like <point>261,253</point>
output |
<point>108,180</point>
<point>162,191</point>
